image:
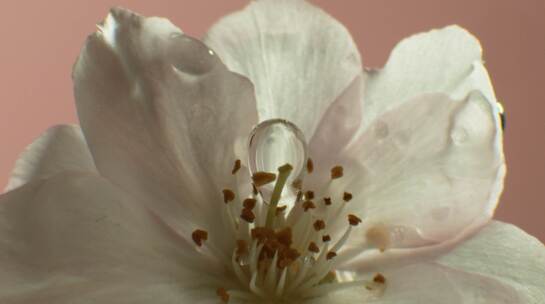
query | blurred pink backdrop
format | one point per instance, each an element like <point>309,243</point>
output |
<point>41,39</point>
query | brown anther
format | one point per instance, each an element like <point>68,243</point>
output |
<point>312,247</point>
<point>310,165</point>
<point>319,225</point>
<point>242,248</point>
<point>336,172</point>
<point>326,238</point>
<point>347,196</point>
<point>236,166</point>
<point>309,195</point>
<point>308,205</point>
<point>222,293</point>
<point>284,236</point>
<point>327,201</point>
<point>228,195</point>
<point>379,278</point>
<point>280,209</point>
<point>353,220</point>
<point>330,255</point>
<point>263,178</point>
<point>249,203</point>
<point>262,233</point>
<point>285,168</point>
<point>247,215</point>
<point>199,236</point>
<point>297,184</point>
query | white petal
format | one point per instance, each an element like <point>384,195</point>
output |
<point>75,238</point>
<point>433,283</point>
<point>442,61</point>
<point>59,149</point>
<point>507,254</point>
<point>299,58</point>
<point>428,171</point>
<point>162,114</point>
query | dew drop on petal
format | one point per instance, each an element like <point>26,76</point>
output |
<point>274,143</point>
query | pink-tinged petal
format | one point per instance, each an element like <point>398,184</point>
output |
<point>299,58</point>
<point>60,148</point>
<point>162,115</point>
<point>426,172</point>
<point>76,238</point>
<point>447,60</point>
<point>504,253</point>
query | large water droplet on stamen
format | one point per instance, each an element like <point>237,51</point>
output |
<point>274,143</point>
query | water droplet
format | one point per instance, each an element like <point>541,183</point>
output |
<point>381,130</point>
<point>272,144</point>
<point>459,135</point>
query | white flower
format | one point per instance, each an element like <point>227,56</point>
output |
<point>151,201</point>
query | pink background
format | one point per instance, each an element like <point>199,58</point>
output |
<point>41,39</point>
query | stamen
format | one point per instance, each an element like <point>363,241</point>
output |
<point>327,201</point>
<point>326,238</point>
<point>236,167</point>
<point>353,220</point>
<point>309,195</point>
<point>347,196</point>
<point>379,278</point>
<point>249,203</point>
<point>299,196</point>
<point>310,165</point>
<point>280,209</point>
<point>199,236</point>
<point>228,195</point>
<point>308,205</point>
<point>331,255</point>
<point>319,225</point>
<point>336,172</point>
<point>262,178</point>
<point>222,293</point>
<point>312,247</point>
<point>247,215</point>
<point>297,184</point>
<point>242,248</point>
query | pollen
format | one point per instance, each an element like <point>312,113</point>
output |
<point>336,172</point>
<point>353,220</point>
<point>312,247</point>
<point>247,215</point>
<point>309,195</point>
<point>236,167</point>
<point>280,209</point>
<point>347,196</point>
<point>263,178</point>
<point>310,165</point>
<point>199,236</point>
<point>222,294</point>
<point>319,225</point>
<point>249,203</point>
<point>327,201</point>
<point>308,205</point>
<point>326,238</point>
<point>228,195</point>
<point>331,255</point>
<point>379,278</point>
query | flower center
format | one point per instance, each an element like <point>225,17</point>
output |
<point>285,246</point>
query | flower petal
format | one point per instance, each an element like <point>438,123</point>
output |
<point>507,254</point>
<point>60,148</point>
<point>428,171</point>
<point>162,115</point>
<point>440,61</point>
<point>76,238</point>
<point>433,283</point>
<point>299,58</point>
